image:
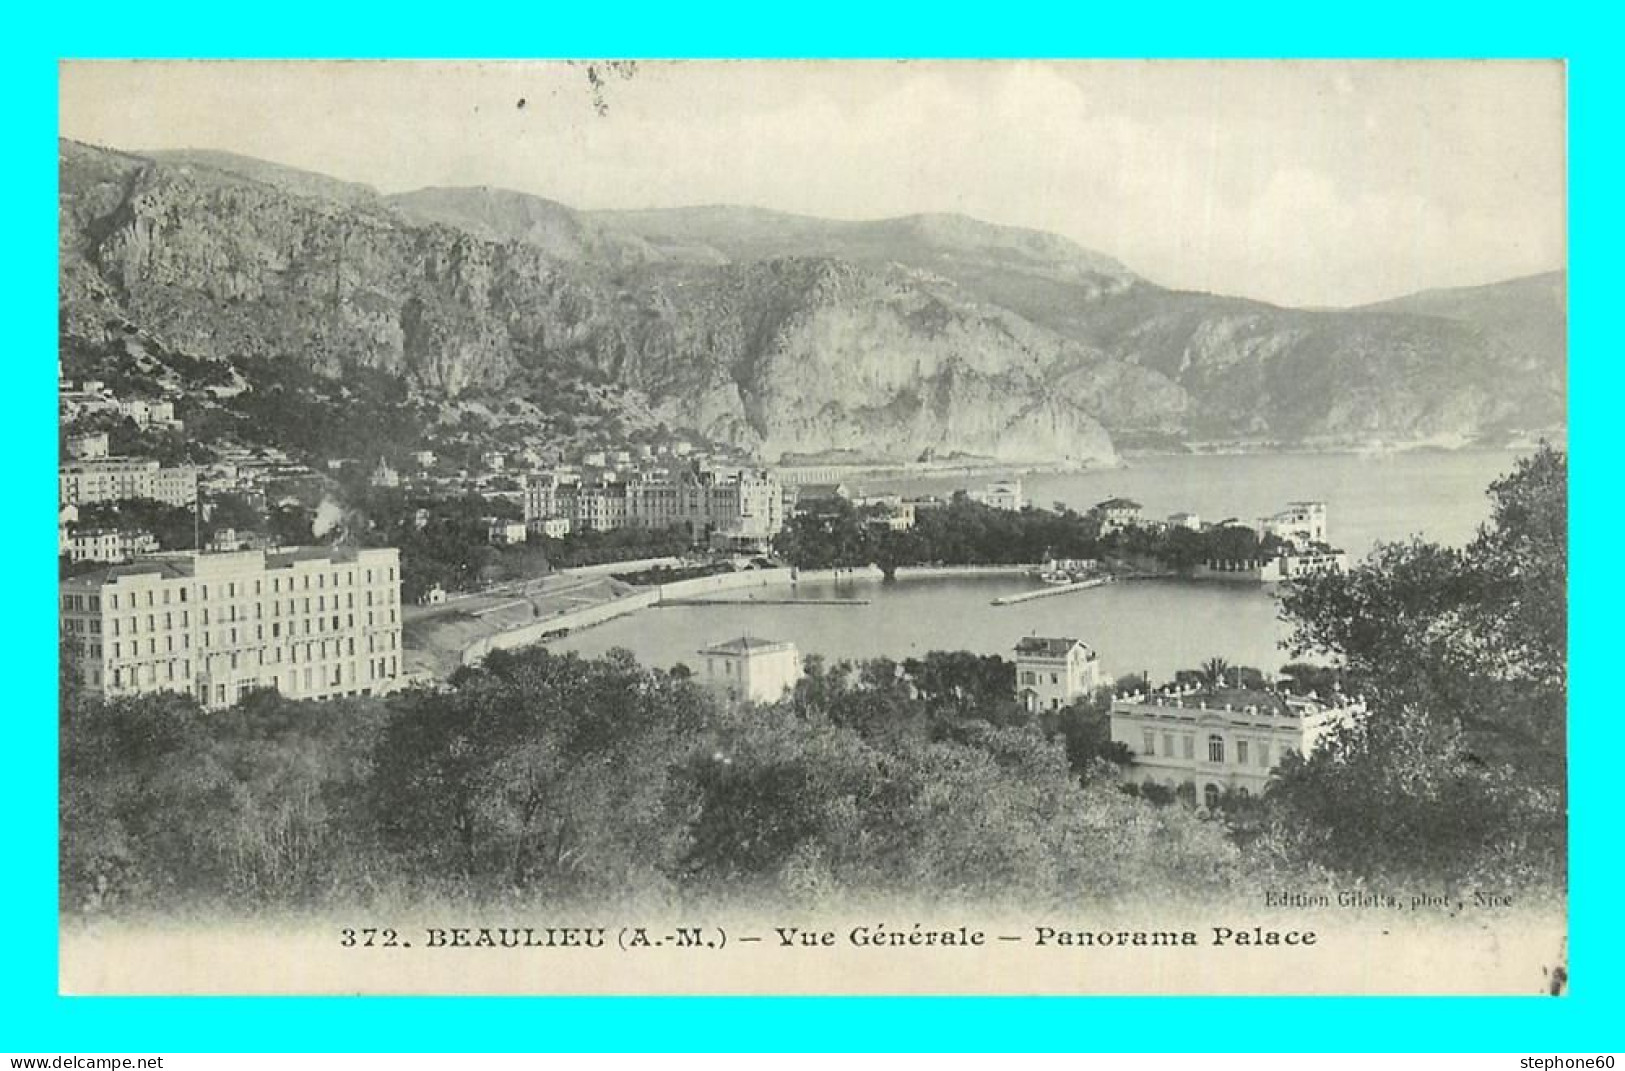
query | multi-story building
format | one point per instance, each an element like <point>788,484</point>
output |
<point>1300,524</point>
<point>504,532</point>
<point>88,447</point>
<point>106,544</point>
<point>115,478</point>
<point>751,670</point>
<point>313,623</point>
<point>1117,514</point>
<point>148,413</point>
<point>553,527</point>
<point>1191,521</point>
<point>1001,494</point>
<point>887,511</point>
<point>745,503</point>
<point>1053,672</point>
<point>1203,743</point>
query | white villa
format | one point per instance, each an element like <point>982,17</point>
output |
<point>1205,743</point>
<point>751,670</point>
<point>1052,672</point>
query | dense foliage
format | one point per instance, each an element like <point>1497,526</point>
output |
<point>553,776</point>
<point>1460,766</point>
<point>964,532</point>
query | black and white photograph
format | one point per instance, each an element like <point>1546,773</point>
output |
<point>614,526</point>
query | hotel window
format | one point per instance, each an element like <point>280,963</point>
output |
<point>1150,739</point>
<point>1241,752</point>
<point>1215,748</point>
<point>1190,746</point>
<point>1168,744</point>
<point>1264,756</point>
<point>183,594</point>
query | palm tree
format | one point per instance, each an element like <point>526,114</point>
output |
<point>1213,671</point>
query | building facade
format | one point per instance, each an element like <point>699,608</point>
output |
<point>1054,672</point>
<point>106,544</point>
<point>88,447</point>
<point>751,670</point>
<point>1203,744</point>
<point>744,503</point>
<point>1300,524</point>
<point>1001,494</point>
<point>1117,514</point>
<point>112,479</point>
<point>312,623</point>
<point>149,414</point>
<point>506,532</point>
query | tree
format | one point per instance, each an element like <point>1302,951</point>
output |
<point>1213,673</point>
<point>1459,765</point>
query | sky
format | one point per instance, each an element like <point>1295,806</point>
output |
<point>1296,182</point>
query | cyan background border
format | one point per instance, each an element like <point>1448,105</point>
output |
<point>33,1018</point>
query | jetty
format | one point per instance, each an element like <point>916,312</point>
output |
<point>1054,589</point>
<point>764,602</point>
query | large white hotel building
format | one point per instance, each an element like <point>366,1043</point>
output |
<point>312,623</point>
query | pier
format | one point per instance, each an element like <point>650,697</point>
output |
<point>1056,589</point>
<point>764,602</point>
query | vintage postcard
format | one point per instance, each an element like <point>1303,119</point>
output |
<point>813,527</point>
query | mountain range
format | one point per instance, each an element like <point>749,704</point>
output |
<point>781,334</point>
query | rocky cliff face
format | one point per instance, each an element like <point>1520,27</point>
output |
<point>775,332</point>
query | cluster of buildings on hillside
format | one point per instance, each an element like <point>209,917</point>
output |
<point>93,397</point>
<point>311,623</point>
<point>90,474</point>
<point>1197,742</point>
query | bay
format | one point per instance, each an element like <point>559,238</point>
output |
<point>1148,626</point>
